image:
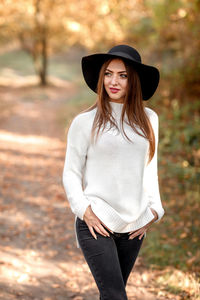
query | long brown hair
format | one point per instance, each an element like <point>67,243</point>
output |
<point>133,106</point>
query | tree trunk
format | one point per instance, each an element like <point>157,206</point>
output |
<point>43,70</point>
<point>40,53</point>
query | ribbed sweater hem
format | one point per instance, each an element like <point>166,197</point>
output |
<point>116,224</point>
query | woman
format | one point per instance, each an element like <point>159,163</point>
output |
<point>110,172</point>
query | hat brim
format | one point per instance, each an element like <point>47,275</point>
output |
<point>149,75</point>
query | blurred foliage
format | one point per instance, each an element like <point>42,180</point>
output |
<point>167,32</point>
<point>176,38</point>
<point>177,241</point>
<point>44,27</point>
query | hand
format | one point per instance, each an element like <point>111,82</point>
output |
<point>143,229</point>
<point>93,222</point>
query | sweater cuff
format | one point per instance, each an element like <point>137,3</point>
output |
<point>160,211</point>
<point>80,210</point>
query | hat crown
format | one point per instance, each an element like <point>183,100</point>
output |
<point>127,51</point>
<point>149,76</point>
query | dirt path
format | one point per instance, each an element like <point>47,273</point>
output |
<point>38,256</point>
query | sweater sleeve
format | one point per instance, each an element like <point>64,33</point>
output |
<point>152,173</point>
<point>76,153</point>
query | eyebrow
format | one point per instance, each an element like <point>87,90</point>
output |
<point>117,72</point>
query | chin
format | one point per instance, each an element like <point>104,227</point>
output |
<point>116,97</point>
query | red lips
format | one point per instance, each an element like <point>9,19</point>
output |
<point>113,90</point>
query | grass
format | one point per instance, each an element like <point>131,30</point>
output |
<point>19,63</point>
<point>16,63</point>
<point>65,70</point>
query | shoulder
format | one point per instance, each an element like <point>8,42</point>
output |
<point>153,117</point>
<point>151,113</point>
<point>83,120</point>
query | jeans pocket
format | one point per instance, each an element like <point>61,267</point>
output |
<point>81,224</point>
<point>83,232</point>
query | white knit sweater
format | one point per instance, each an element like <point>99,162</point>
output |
<point>112,175</point>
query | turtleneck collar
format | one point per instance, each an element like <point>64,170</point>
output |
<point>117,109</point>
<point>116,103</point>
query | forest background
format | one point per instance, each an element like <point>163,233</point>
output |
<point>42,42</point>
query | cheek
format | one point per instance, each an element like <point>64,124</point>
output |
<point>105,82</point>
<point>125,83</point>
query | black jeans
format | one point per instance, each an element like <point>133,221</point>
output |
<point>110,259</point>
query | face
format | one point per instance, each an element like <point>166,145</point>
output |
<point>115,80</point>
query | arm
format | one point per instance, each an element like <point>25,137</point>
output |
<point>76,154</point>
<point>152,174</point>
<point>75,159</point>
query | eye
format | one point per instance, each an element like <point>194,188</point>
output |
<point>107,74</point>
<point>123,75</point>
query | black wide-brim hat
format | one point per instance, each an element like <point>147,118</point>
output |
<point>149,75</point>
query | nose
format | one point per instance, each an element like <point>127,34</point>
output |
<point>114,80</point>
